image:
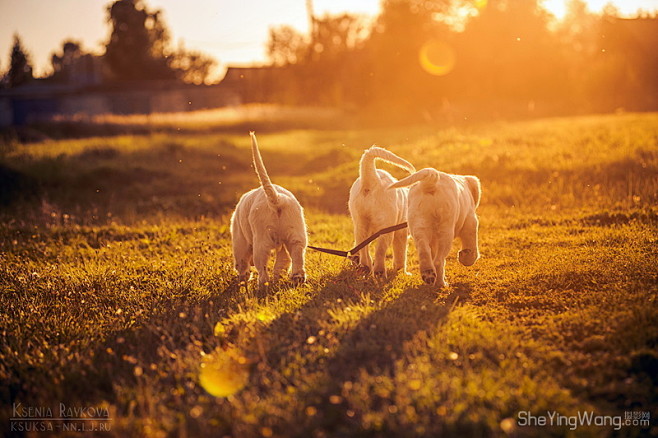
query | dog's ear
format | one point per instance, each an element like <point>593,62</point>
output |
<point>474,187</point>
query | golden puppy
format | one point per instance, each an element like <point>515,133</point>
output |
<point>268,218</point>
<point>373,207</point>
<point>442,207</point>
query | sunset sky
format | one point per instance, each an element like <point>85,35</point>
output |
<point>233,32</point>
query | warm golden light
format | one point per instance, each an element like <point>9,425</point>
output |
<point>224,373</point>
<point>556,7</point>
<point>437,58</point>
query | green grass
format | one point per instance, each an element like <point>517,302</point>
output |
<point>116,285</point>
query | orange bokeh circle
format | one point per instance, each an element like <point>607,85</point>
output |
<point>437,58</point>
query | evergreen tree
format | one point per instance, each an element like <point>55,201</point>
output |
<point>20,70</point>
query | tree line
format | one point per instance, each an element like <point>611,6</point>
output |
<point>451,57</point>
<point>424,58</point>
<point>139,48</point>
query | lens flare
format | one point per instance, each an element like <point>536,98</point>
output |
<point>223,373</point>
<point>437,58</point>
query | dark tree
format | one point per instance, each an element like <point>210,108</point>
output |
<point>336,59</point>
<point>324,67</point>
<point>20,70</point>
<point>286,46</point>
<point>191,66</point>
<point>62,63</point>
<point>138,45</point>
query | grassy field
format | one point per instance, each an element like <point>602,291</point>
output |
<point>117,290</point>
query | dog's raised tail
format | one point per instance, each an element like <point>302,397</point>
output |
<point>263,177</point>
<point>368,171</point>
<point>426,176</point>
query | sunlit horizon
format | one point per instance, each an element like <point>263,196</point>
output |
<point>232,33</point>
<point>626,8</point>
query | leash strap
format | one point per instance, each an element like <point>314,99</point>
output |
<point>362,244</point>
<point>330,251</point>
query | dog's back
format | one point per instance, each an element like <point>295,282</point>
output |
<point>444,186</point>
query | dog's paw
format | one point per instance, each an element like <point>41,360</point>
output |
<point>298,278</point>
<point>242,281</point>
<point>380,275</point>
<point>429,276</point>
<point>468,257</point>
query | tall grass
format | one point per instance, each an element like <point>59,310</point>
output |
<point>118,289</point>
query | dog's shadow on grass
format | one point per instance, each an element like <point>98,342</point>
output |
<point>372,342</point>
<point>381,338</point>
<point>348,326</point>
<point>376,340</point>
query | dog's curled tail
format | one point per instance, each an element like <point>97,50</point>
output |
<point>427,176</point>
<point>368,171</point>
<point>263,177</point>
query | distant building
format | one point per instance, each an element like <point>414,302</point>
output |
<point>255,84</point>
<point>86,70</point>
<point>76,68</point>
<point>78,91</point>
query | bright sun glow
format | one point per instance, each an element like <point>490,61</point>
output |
<point>480,4</point>
<point>626,8</point>
<point>556,7</point>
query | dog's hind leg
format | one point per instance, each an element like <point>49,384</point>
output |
<point>425,261</point>
<point>443,249</point>
<point>365,261</point>
<point>296,250</point>
<point>380,255</point>
<point>282,265</point>
<point>261,257</point>
<point>242,255</point>
<point>469,237</point>
<point>400,243</point>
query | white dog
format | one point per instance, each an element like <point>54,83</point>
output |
<point>373,207</point>
<point>441,208</point>
<point>268,218</point>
